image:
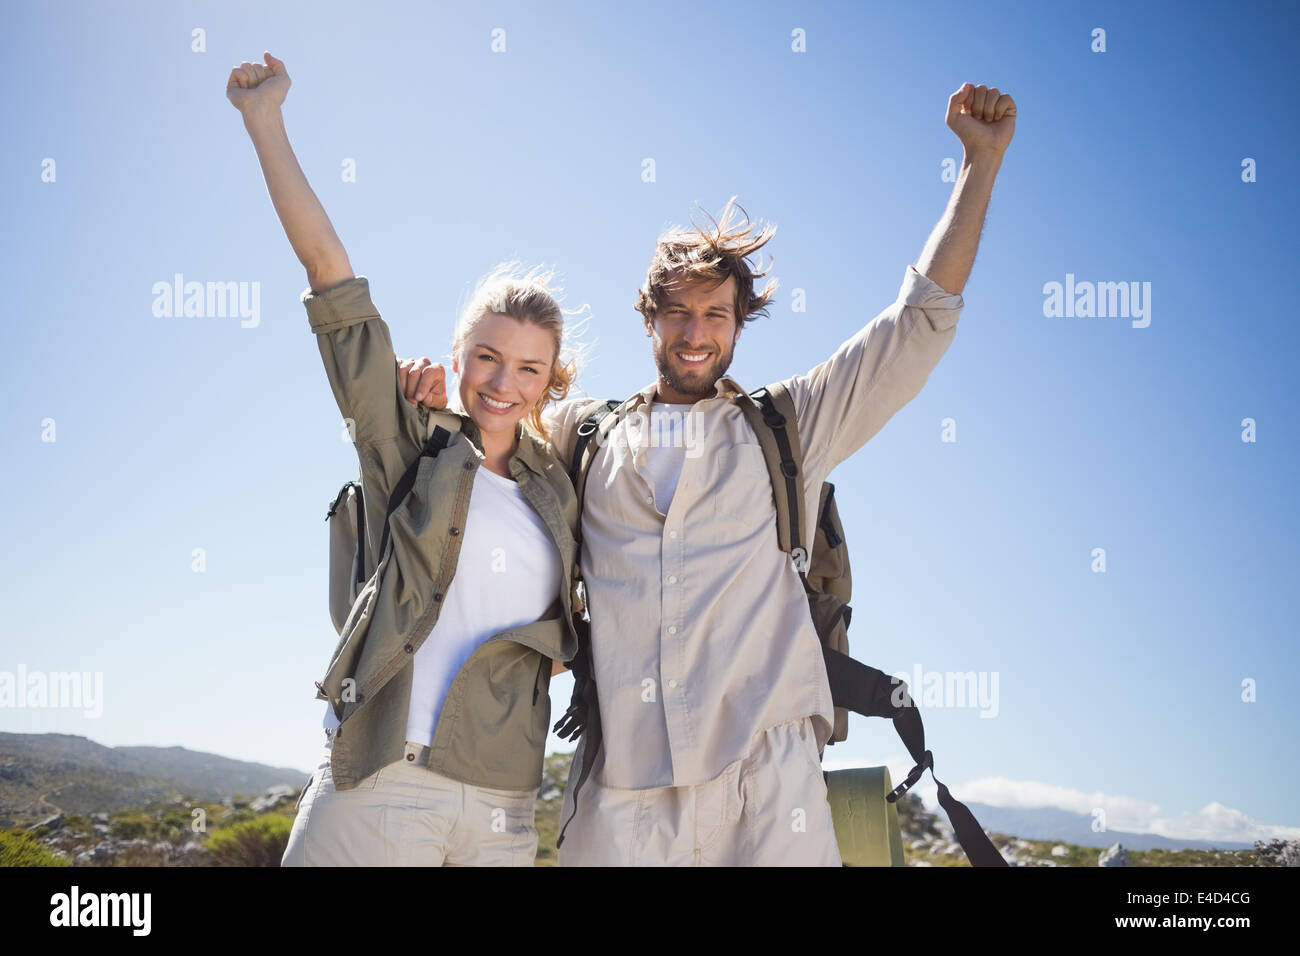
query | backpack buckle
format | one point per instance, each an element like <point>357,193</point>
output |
<point>913,777</point>
<point>800,558</point>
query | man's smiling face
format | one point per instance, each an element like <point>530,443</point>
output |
<point>694,335</point>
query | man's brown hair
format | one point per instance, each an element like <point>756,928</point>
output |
<point>710,255</point>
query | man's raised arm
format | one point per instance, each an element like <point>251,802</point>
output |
<point>984,120</point>
<point>845,400</point>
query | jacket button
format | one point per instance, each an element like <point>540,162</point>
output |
<point>410,756</point>
<point>407,648</point>
<point>437,596</point>
<point>455,530</point>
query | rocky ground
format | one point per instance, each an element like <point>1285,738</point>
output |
<point>178,834</point>
<point>928,840</point>
<point>171,834</point>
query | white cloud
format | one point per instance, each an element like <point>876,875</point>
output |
<point>1213,822</point>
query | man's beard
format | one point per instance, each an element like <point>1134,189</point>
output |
<point>693,382</point>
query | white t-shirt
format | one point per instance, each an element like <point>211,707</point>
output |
<point>665,436</point>
<point>507,575</point>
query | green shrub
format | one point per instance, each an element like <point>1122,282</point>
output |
<point>132,828</point>
<point>153,823</point>
<point>19,848</point>
<point>257,842</point>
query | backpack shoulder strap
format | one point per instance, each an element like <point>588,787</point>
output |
<point>442,428</point>
<point>771,413</point>
<point>594,424</point>
<point>441,418</point>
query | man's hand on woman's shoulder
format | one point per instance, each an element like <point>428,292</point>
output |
<point>423,381</point>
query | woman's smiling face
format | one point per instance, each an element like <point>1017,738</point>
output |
<point>504,369</point>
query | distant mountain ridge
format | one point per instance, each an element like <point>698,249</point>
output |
<point>1053,823</point>
<point>41,774</point>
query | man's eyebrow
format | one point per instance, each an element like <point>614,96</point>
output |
<point>724,306</point>
<point>484,345</point>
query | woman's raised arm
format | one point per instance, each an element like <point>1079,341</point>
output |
<point>355,343</point>
<point>257,91</point>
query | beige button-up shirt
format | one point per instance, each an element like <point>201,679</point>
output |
<point>701,633</point>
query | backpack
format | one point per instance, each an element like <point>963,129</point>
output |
<point>827,583</point>
<point>825,571</point>
<point>348,570</point>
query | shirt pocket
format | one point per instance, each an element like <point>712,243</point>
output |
<point>413,513</point>
<point>409,523</point>
<point>740,488</point>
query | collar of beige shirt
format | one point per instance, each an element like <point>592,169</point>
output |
<point>725,387</point>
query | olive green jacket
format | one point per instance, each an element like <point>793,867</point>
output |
<point>493,725</point>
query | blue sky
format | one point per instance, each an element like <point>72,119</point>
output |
<point>1120,690</point>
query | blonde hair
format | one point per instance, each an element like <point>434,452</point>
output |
<point>712,254</point>
<point>530,296</point>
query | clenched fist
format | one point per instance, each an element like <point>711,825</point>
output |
<point>982,117</point>
<point>254,85</point>
<point>423,382</point>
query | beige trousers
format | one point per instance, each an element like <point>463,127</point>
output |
<point>406,815</point>
<point>767,809</point>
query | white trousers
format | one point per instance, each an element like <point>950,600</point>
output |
<point>766,809</point>
<point>404,814</point>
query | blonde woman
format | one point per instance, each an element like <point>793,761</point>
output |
<point>437,709</point>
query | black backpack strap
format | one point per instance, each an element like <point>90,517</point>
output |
<point>583,714</point>
<point>588,429</point>
<point>828,528</point>
<point>770,411</point>
<point>872,693</point>
<point>439,440</point>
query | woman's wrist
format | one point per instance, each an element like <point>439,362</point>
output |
<point>262,116</point>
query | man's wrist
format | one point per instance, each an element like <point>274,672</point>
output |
<point>984,156</point>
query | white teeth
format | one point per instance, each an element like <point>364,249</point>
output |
<point>492,403</point>
<point>693,356</point>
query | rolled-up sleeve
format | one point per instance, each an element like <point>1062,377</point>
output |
<point>361,365</point>
<point>843,402</point>
<point>357,349</point>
